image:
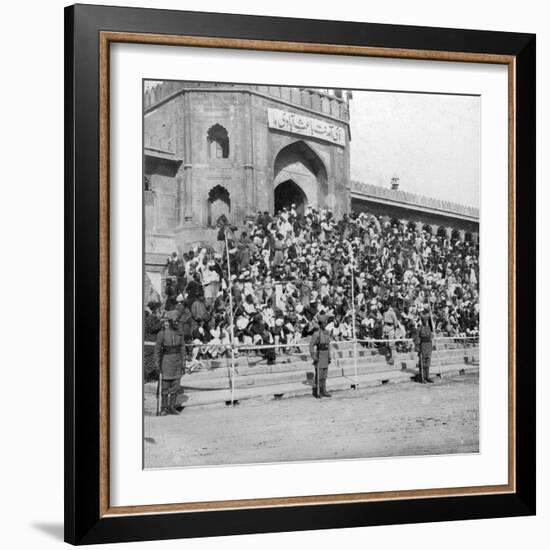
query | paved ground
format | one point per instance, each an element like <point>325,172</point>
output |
<point>389,420</point>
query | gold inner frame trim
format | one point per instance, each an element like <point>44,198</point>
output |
<point>105,39</point>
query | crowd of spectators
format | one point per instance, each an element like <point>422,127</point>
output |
<point>286,269</point>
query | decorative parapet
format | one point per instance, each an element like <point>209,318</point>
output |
<point>412,200</point>
<point>330,103</point>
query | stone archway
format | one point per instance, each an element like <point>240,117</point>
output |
<point>288,193</point>
<point>299,164</point>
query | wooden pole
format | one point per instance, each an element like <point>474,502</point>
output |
<point>352,262</point>
<point>159,390</point>
<point>231,327</point>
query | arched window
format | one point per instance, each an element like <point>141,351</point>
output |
<point>218,142</point>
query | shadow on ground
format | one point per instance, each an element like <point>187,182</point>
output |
<point>53,530</point>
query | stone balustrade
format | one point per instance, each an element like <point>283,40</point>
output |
<point>412,199</point>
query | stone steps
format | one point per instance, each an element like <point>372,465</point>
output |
<point>296,380</point>
<point>292,364</point>
<point>370,354</point>
<point>304,387</point>
<point>304,372</point>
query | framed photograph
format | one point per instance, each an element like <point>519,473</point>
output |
<point>299,278</point>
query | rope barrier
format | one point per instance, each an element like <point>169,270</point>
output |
<point>306,344</point>
<point>236,349</point>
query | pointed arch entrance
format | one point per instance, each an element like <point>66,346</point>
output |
<point>219,203</point>
<point>288,193</point>
<point>300,177</point>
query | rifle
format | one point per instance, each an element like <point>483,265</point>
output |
<point>159,385</point>
<point>317,378</point>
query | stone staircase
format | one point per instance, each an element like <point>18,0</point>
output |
<point>292,374</point>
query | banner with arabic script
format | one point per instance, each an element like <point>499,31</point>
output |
<point>306,126</point>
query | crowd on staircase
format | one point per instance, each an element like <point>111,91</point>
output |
<point>280,272</point>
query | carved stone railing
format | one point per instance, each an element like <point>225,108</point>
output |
<point>412,199</point>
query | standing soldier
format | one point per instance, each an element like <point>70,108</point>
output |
<point>423,342</point>
<point>170,362</point>
<point>388,330</point>
<point>152,325</point>
<point>319,349</point>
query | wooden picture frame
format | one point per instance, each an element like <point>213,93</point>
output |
<point>89,32</point>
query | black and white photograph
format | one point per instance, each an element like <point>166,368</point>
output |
<point>293,263</point>
<point>311,273</point>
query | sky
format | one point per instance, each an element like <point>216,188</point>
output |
<point>431,142</point>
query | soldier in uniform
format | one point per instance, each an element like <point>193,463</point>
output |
<point>423,342</point>
<point>170,362</point>
<point>152,325</point>
<point>319,349</point>
<point>390,323</point>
